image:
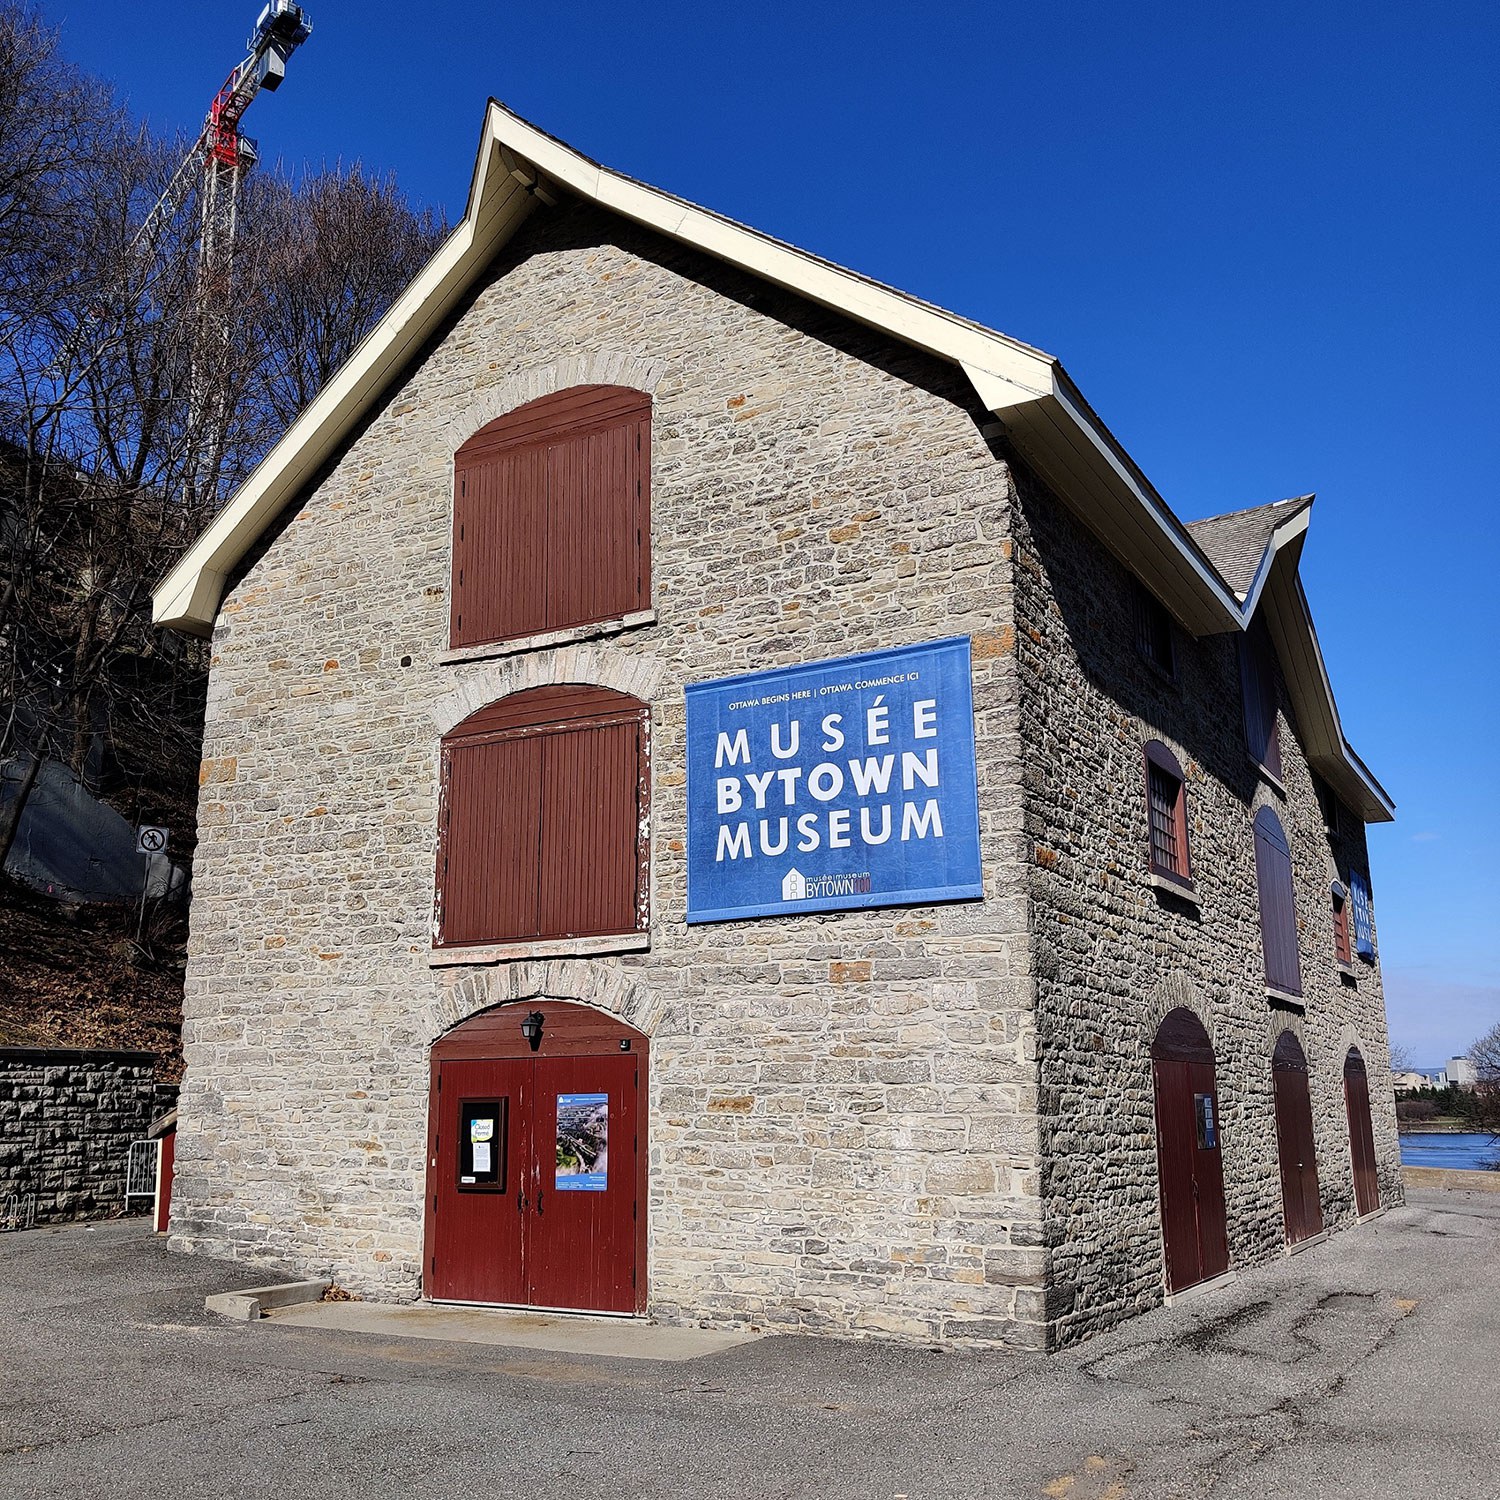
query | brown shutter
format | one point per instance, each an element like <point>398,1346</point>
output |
<point>489,851</point>
<point>499,546</point>
<point>1258,695</point>
<point>551,517</point>
<point>1341,926</point>
<point>545,793</point>
<point>590,830</point>
<point>1278,917</point>
<point>592,543</point>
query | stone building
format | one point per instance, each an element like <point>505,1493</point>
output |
<point>636,567</point>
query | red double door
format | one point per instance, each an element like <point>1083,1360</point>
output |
<point>533,1182</point>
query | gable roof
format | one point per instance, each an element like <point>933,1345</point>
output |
<point>1236,542</point>
<point>1043,413</point>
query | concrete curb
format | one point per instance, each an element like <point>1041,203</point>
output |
<point>252,1303</point>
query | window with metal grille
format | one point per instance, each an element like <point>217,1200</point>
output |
<point>1153,631</point>
<point>1278,913</point>
<point>1166,814</point>
<point>543,819</point>
<point>551,516</point>
<point>1341,948</point>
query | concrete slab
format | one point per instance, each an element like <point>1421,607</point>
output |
<point>254,1301</point>
<point>554,1333</point>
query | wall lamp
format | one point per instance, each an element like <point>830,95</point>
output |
<point>531,1029</point>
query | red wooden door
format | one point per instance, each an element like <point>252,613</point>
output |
<point>536,1170</point>
<point>1302,1208</point>
<point>581,1233</point>
<point>1190,1165</point>
<point>1361,1135</point>
<point>479,1181</point>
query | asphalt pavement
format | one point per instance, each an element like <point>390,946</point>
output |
<point>1366,1366</point>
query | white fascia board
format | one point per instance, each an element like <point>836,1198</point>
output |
<point>188,597</point>
<point>914,322</point>
<point>1329,751</point>
<point>1091,470</point>
<point>1293,529</point>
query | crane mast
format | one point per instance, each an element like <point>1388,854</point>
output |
<point>217,163</point>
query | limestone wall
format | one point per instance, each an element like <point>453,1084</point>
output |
<point>842,1129</point>
<point>1113,954</point>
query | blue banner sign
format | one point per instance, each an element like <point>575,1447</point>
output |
<point>836,784</point>
<point>1364,927</point>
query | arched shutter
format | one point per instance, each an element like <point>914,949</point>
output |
<point>551,516</point>
<point>543,819</point>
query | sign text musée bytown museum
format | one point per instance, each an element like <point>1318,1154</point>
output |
<point>843,783</point>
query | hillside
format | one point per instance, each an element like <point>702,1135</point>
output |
<point>74,977</point>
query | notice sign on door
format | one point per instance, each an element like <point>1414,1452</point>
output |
<point>582,1143</point>
<point>1208,1130</point>
<point>835,784</point>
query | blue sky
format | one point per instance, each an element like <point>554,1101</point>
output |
<point>1262,239</point>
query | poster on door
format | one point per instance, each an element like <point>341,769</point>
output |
<point>582,1143</point>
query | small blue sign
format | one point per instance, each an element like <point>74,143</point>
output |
<point>835,784</point>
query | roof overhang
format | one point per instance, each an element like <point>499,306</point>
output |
<point>1042,412</point>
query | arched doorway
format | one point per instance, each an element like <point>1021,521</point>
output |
<point>1361,1136</point>
<point>1190,1167</point>
<point>536,1160</point>
<point>1301,1205</point>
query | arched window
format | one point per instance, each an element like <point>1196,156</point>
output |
<point>1166,814</point>
<point>543,819</point>
<point>1278,914</point>
<point>551,516</point>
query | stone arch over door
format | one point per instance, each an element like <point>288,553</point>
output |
<point>1301,1201</point>
<point>1190,1170</point>
<point>600,985</point>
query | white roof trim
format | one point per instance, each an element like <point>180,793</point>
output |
<point>1042,411</point>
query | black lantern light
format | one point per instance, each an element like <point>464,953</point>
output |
<point>531,1029</point>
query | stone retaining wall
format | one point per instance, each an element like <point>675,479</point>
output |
<point>66,1122</point>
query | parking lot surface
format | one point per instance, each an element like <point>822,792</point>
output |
<point>1366,1366</point>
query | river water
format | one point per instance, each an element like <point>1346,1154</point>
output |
<point>1465,1151</point>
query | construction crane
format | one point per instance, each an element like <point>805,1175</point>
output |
<point>220,157</point>
<point>215,166</point>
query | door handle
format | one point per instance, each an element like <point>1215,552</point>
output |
<point>539,1200</point>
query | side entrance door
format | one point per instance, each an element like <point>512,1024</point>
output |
<point>1301,1206</point>
<point>534,1168</point>
<point>1189,1161</point>
<point>1361,1136</point>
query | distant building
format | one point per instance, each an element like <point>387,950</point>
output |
<point>1417,1078</point>
<point>1462,1073</point>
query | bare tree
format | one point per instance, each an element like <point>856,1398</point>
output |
<point>1485,1055</point>
<point>325,258</point>
<point>109,465</point>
